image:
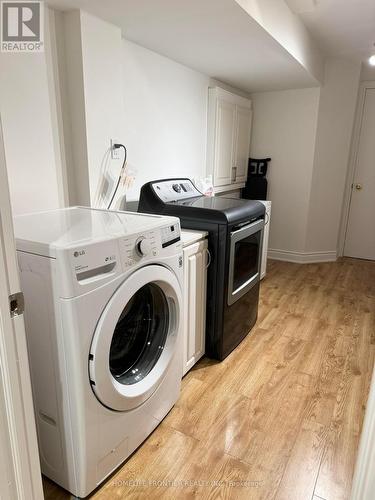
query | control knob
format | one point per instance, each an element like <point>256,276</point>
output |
<point>177,188</point>
<point>143,247</point>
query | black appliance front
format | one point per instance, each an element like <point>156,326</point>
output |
<point>240,310</point>
<point>235,229</point>
<point>233,285</point>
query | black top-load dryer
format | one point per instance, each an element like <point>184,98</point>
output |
<point>235,229</point>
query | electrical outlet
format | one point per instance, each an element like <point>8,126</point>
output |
<point>115,152</point>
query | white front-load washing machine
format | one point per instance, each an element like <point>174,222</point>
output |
<point>103,323</point>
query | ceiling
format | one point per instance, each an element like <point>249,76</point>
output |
<point>215,37</point>
<point>340,27</point>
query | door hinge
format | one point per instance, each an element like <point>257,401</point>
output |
<point>16,304</point>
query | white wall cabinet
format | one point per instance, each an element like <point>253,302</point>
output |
<point>229,132</point>
<point>224,142</point>
<point>242,144</point>
<point>195,290</point>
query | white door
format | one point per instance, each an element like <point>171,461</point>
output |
<point>224,142</point>
<point>242,145</point>
<point>195,291</point>
<point>20,476</point>
<point>360,234</point>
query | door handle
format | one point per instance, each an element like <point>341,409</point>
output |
<point>209,258</point>
<point>358,187</point>
<point>16,304</point>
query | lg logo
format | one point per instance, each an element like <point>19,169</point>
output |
<point>79,253</point>
<point>22,24</point>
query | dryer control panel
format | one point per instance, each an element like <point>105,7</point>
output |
<point>175,189</point>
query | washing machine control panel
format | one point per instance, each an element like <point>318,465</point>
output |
<point>88,264</point>
<point>143,246</point>
<point>169,235</point>
<point>133,249</point>
<point>148,245</point>
<point>92,264</point>
<point>89,261</point>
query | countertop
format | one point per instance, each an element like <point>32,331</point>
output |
<point>188,236</point>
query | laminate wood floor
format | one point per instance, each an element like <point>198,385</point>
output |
<point>281,417</point>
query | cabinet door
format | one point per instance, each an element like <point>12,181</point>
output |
<point>242,143</point>
<point>224,142</point>
<point>195,287</point>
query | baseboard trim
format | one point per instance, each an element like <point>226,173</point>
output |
<point>302,257</point>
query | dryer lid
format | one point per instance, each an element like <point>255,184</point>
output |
<point>181,198</point>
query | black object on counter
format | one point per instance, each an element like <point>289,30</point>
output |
<point>256,184</point>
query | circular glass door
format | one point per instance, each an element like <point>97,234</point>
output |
<point>140,335</point>
<point>135,339</point>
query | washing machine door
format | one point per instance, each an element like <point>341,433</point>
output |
<point>136,338</point>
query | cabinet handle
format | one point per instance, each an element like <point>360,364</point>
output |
<point>209,258</point>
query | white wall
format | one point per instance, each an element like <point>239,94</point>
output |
<point>367,72</point>
<point>104,112</point>
<point>116,89</point>
<point>90,81</point>
<point>337,104</point>
<point>69,76</point>
<point>285,27</point>
<point>165,116</point>
<point>284,127</point>
<point>25,106</point>
<point>307,133</point>
<point>113,88</point>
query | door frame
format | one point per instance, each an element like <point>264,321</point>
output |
<point>363,487</point>
<point>18,433</point>
<point>363,480</point>
<point>353,161</point>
